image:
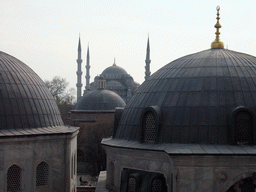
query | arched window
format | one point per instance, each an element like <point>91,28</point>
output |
<point>157,185</point>
<point>42,174</point>
<point>150,122</point>
<point>14,178</point>
<point>112,173</point>
<point>132,184</point>
<point>149,127</point>
<point>243,127</point>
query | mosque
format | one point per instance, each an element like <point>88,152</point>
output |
<point>94,112</point>
<point>191,126</point>
<point>117,79</point>
<point>37,152</point>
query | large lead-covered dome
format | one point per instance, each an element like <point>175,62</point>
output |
<point>195,99</point>
<point>25,101</point>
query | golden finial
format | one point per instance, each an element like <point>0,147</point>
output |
<point>217,43</point>
<point>114,62</point>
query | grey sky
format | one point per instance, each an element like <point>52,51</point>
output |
<point>44,34</point>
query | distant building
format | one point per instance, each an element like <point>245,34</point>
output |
<point>191,126</point>
<point>94,114</point>
<point>37,152</point>
<point>117,79</point>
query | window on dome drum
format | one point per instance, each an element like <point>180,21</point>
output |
<point>243,128</point>
<point>149,127</point>
<point>132,184</point>
<point>157,185</point>
<point>42,174</point>
<point>112,173</point>
<point>14,178</point>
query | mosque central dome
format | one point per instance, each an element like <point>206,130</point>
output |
<point>114,70</point>
<point>25,101</point>
<point>196,97</point>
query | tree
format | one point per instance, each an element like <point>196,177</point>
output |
<point>64,97</point>
<point>57,86</point>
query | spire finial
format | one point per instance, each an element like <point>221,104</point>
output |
<point>217,43</point>
<point>79,44</point>
<point>114,62</point>
<point>147,67</point>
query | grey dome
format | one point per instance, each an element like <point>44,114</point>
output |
<point>100,100</point>
<point>114,84</point>
<point>114,70</point>
<point>196,95</point>
<point>25,100</point>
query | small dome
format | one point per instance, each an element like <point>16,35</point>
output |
<point>114,84</point>
<point>25,101</point>
<point>101,78</point>
<point>114,70</point>
<point>196,96</point>
<point>100,100</point>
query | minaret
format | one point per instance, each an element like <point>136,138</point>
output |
<point>87,77</point>
<point>79,72</point>
<point>147,67</point>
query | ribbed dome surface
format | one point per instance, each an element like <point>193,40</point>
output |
<point>100,100</point>
<point>114,70</point>
<point>196,95</point>
<point>25,101</point>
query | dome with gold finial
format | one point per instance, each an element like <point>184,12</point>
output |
<point>189,127</point>
<point>114,70</point>
<point>195,99</point>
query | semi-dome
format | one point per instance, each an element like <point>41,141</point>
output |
<point>100,99</point>
<point>25,100</point>
<point>114,70</point>
<point>114,84</point>
<point>195,99</point>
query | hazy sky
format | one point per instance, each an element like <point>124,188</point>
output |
<point>44,33</point>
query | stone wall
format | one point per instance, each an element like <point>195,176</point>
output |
<point>211,173</point>
<point>145,160</point>
<point>103,122</point>
<point>193,173</point>
<point>93,127</point>
<point>28,152</point>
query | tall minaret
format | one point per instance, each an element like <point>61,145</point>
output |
<point>147,67</point>
<point>87,77</point>
<point>79,72</point>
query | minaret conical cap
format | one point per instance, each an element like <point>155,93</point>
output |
<point>79,44</point>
